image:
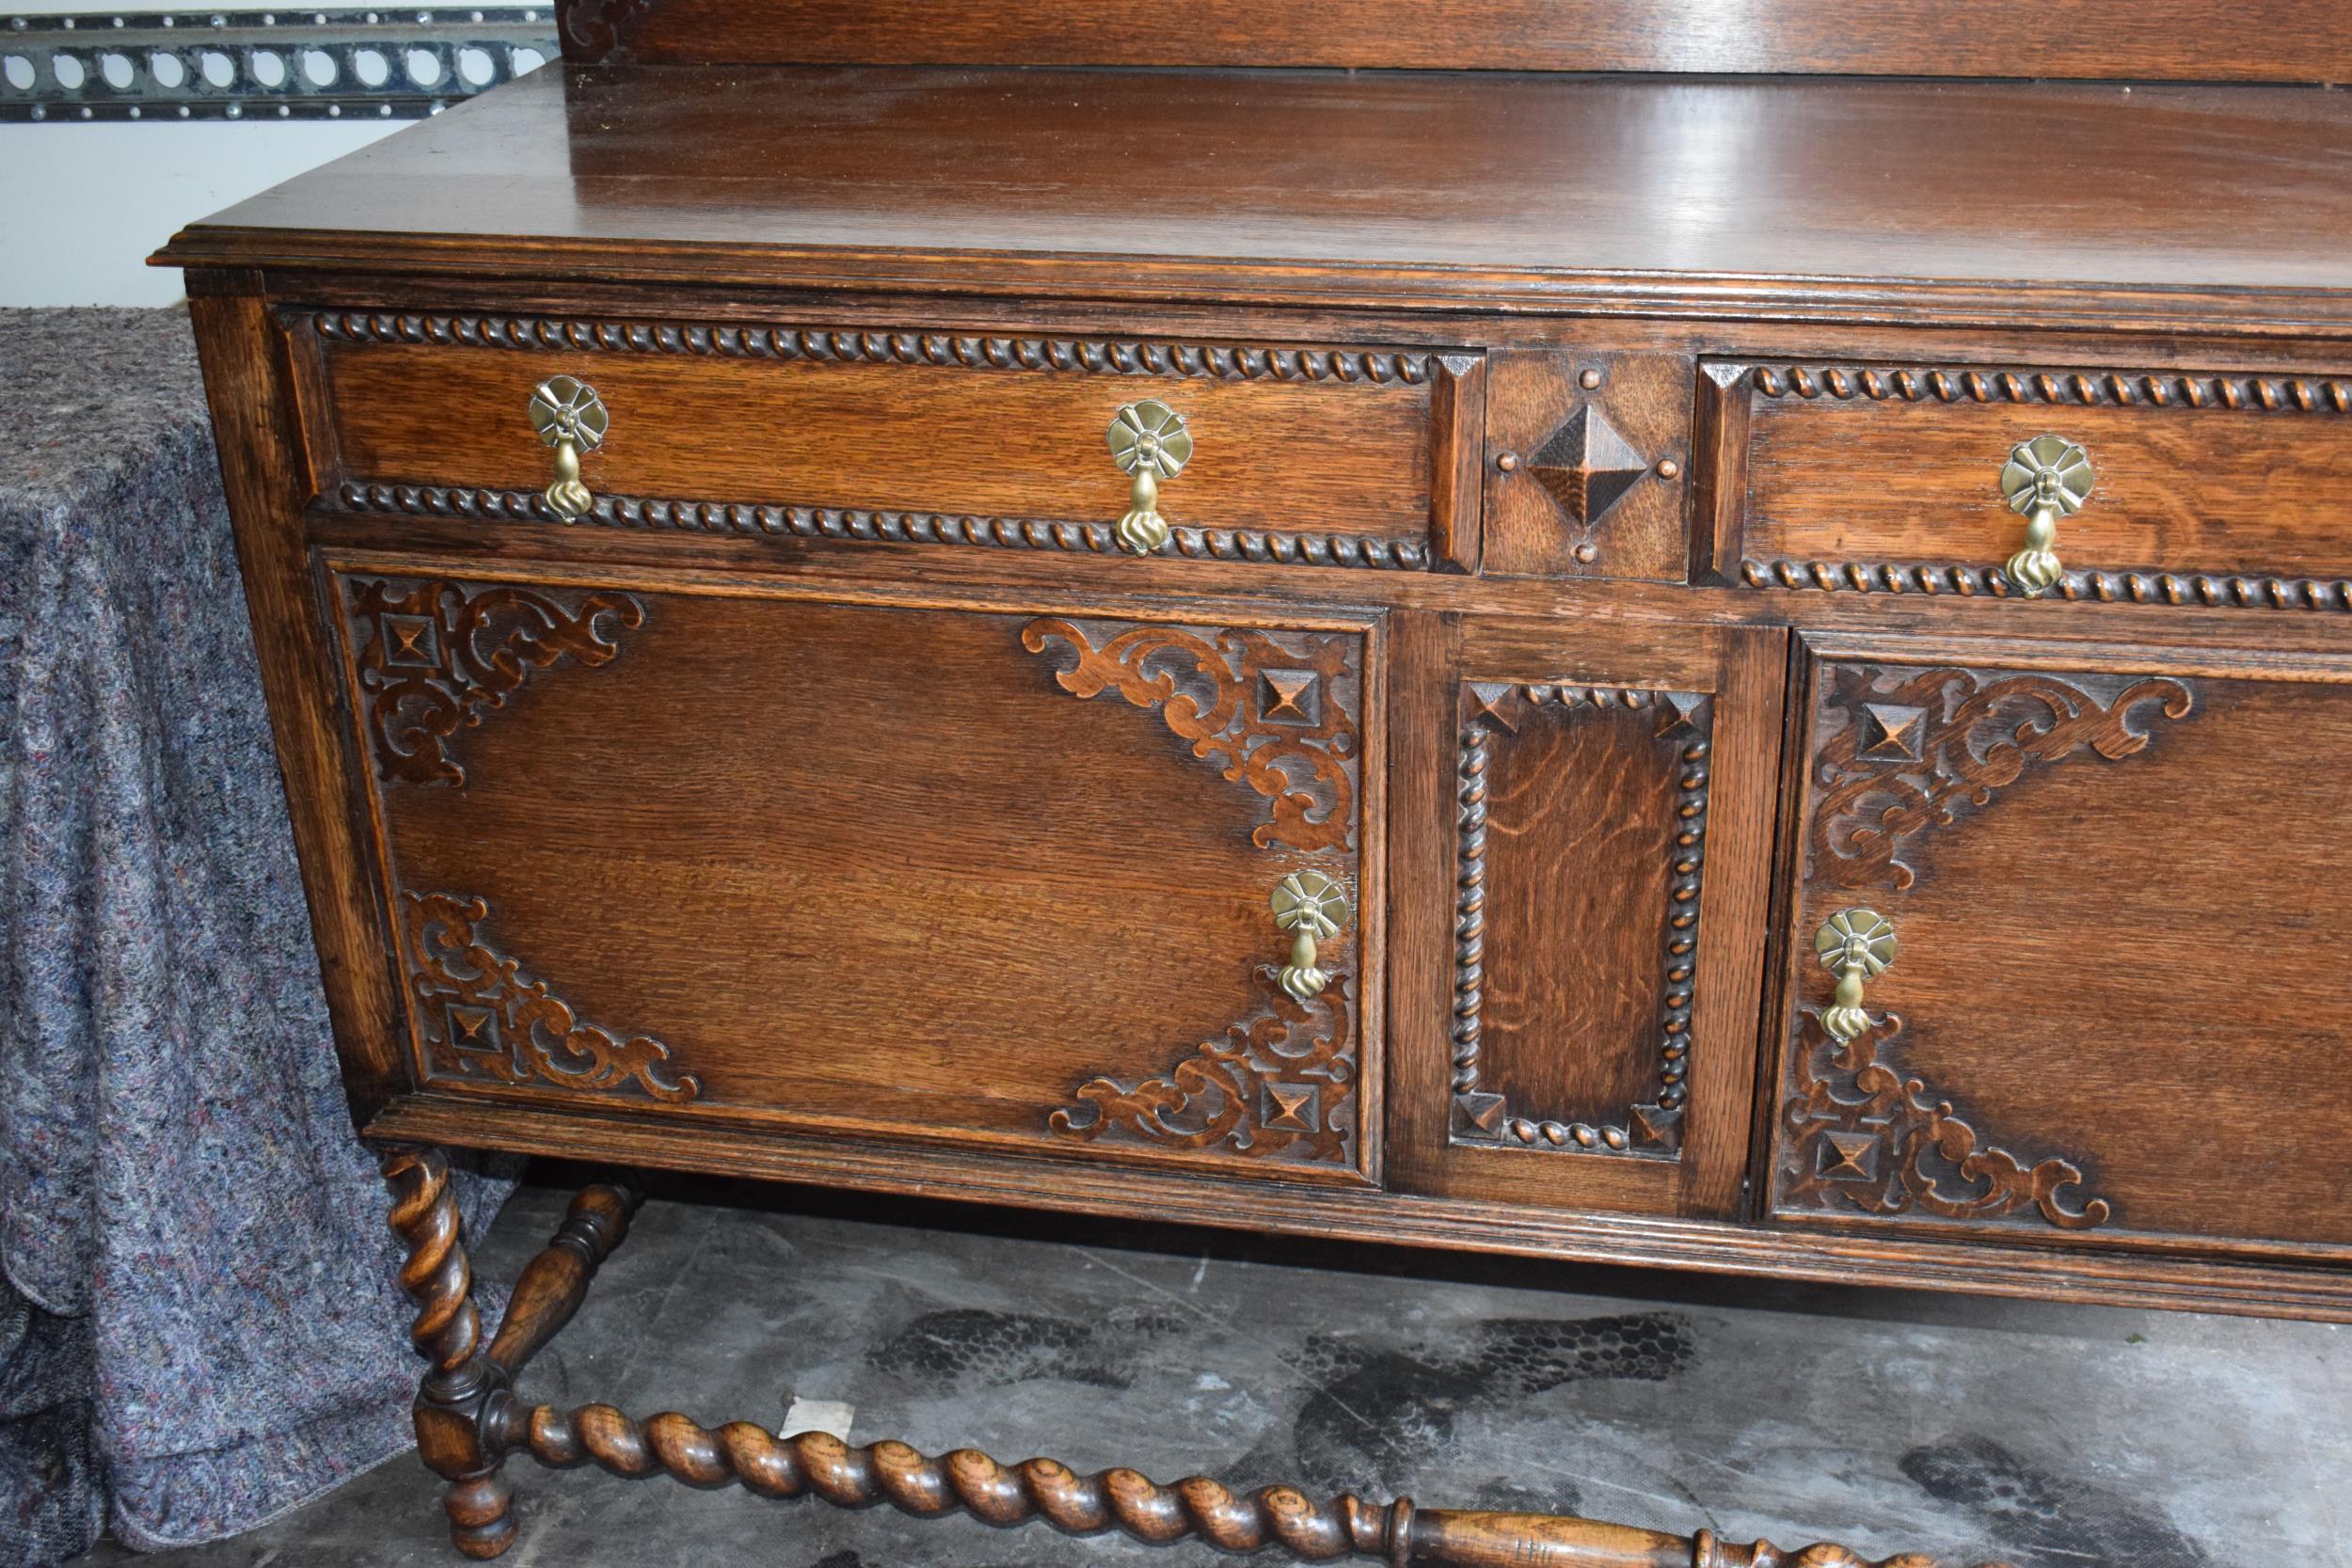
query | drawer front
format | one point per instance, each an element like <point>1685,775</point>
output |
<point>1005,879</point>
<point>1599,892</point>
<point>2116,1007</point>
<point>2214,488</point>
<point>1323,455</point>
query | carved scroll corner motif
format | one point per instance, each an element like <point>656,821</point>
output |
<point>1279,718</point>
<point>1906,752</point>
<point>434,657</point>
<point>1862,1135</point>
<point>480,1015</point>
<point>1257,1093</point>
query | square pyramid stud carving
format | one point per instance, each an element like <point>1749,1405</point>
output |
<point>1890,730</point>
<point>1586,466</point>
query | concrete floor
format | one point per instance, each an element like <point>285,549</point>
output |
<point>2052,1437</point>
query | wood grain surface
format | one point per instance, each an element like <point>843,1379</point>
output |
<point>2106,960</point>
<point>1334,456</point>
<point>777,837</point>
<point>2211,485</point>
<point>2269,41</point>
<point>2171,203</point>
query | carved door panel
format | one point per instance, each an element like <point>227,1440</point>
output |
<point>1586,847</point>
<point>1001,875</point>
<point>2118,890</point>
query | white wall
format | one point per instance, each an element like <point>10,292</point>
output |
<point>82,205</point>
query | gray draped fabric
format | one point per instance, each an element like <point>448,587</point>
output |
<point>199,1326</point>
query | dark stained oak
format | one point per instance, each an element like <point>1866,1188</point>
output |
<point>1597,890</point>
<point>1591,562</point>
<point>805,945</point>
<point>1586,463</point>
<point>2109,880</point>
<point>2168,204</point>
<point>2276,41</point>
<point>554,1284</point>
<point>1896,465</point>
<point>1287,438</point>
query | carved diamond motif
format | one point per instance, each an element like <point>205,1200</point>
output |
<point>1657,1126</point>
<point>1890,730</point>
<point>1289,697</point>
<point>1291,1107</point>
<point>1586,466</point>
<point>472,1029</point>
<point>1849,1157</point>
<point>1498,703</point>
<point>1479,1111</point>
<point>1679,710</point>
<point>409,639</point>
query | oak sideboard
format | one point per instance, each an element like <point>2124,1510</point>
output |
<point>1586,638</point>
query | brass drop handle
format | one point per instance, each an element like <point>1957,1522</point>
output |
<point>571,417</point>
<point>1855,945</point>
<point>2044,479</point>
<point>1310,905</point>
<point>1149,440</point>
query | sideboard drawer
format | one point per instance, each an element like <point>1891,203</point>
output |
<point>2114,1007</point>
<point>2166,486</point>
<point>1317,454</point>
<point>1030,878</point>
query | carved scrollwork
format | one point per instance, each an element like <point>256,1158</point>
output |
<point>478,1013</point>
<point>1685,720</point>
<point>434,657</point>
<point>1898,751</point>
<point>1279,718</point>
<point>1863,1136</point>
<point>1258,1092</point>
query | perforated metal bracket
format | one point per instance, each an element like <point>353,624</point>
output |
<point>390,63</point>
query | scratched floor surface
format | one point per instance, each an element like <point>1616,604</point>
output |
<point>2049,1437</point>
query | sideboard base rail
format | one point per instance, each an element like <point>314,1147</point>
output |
<point>468,1421</point>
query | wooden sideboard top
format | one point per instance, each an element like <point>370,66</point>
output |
<point>2157,207</point>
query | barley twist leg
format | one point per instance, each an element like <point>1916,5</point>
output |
<point>462,1385</point>
<point>967,1480</point>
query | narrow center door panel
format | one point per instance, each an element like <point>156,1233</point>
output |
<point>1595,878</point>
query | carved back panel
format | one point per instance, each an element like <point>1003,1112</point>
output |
<point>996,878</point>
<point>2101,1021</point>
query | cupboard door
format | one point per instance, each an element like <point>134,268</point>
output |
<point>2117,887</point>
<point>1588,843</point>
<point>1015,875</point>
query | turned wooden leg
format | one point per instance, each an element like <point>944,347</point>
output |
<point>556,1281</point>
<point>462,1383</point>
<point>466,1386</point>
<point>467,1421</point>
<point>816,1463</point>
